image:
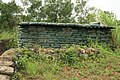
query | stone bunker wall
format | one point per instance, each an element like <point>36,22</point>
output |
<point>56,36</point>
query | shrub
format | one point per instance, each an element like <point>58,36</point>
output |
<point>33,64</point>
<point>69,56</point>
<point>116,37</point>
<point>48,65</point>
<point>11,37</point>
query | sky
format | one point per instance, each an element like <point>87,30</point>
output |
<point>106,5</point>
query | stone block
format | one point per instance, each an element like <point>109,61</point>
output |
<point>60,34</point>
<point>23,31</point>
<point>6,70</point>
<point>30,36</point>
<point>57,29</point>
<point>6,58</point>
<point>31,28</point>
<point>23,37</point>
<point>74,30</point>
<point>22,40</point>
<point>4,77</point>
<point>51,33</point>
<point>55,45</point>
<point>9,54</point>
<point>76,35</point>
<point>41,28</point>
<point>6,63</point>
<point>42,40</point>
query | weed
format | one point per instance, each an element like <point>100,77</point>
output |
<point>75,78</point>
<point>11,37</point>
<point>69,57</point>
<point>67,65</point>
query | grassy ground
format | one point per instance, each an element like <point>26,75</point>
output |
<point>67,65</point>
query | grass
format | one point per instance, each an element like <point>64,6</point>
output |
<point>116,36</point>
<point>6,35</point>
<point>41,66</point>
<point>10,37</point>
<point>67,65</point>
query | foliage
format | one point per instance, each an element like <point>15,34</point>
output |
<point>11,37</point>
<point>51,10</point>
<point>9,15</point>
<point>117,34</point>
<point>32,64</point>
<point>107,18</point>
<point>69,57</point>
<point>116,37</point>
<point>64,11</point>
<point>66,65</point>
<point>104,17</point>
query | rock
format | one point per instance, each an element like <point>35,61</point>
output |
<point>6,70</point>
<point>4,77</point>
<point>11,52</point>
<point>6,58</point>
<point>80,52</point>
<point>87,51</point>
<point>91,51</point>
<point>6,63</point>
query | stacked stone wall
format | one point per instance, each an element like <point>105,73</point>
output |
<point>55,36</point>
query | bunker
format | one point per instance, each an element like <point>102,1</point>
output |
<point>56,35</point>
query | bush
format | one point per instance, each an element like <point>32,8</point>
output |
<point>116,37</point>
<point>48,65</point>
<point>11,37</point>
<point>69,56</point>
<point>33,64</point>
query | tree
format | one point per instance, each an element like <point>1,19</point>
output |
<point>104,17</point>
<point>107,18</point>
<point>82,11</point>
<point>92,15</point>
<point>118,22</point>
<point>8,17</point>
<point>51,10</point>
<point>63,11</point>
